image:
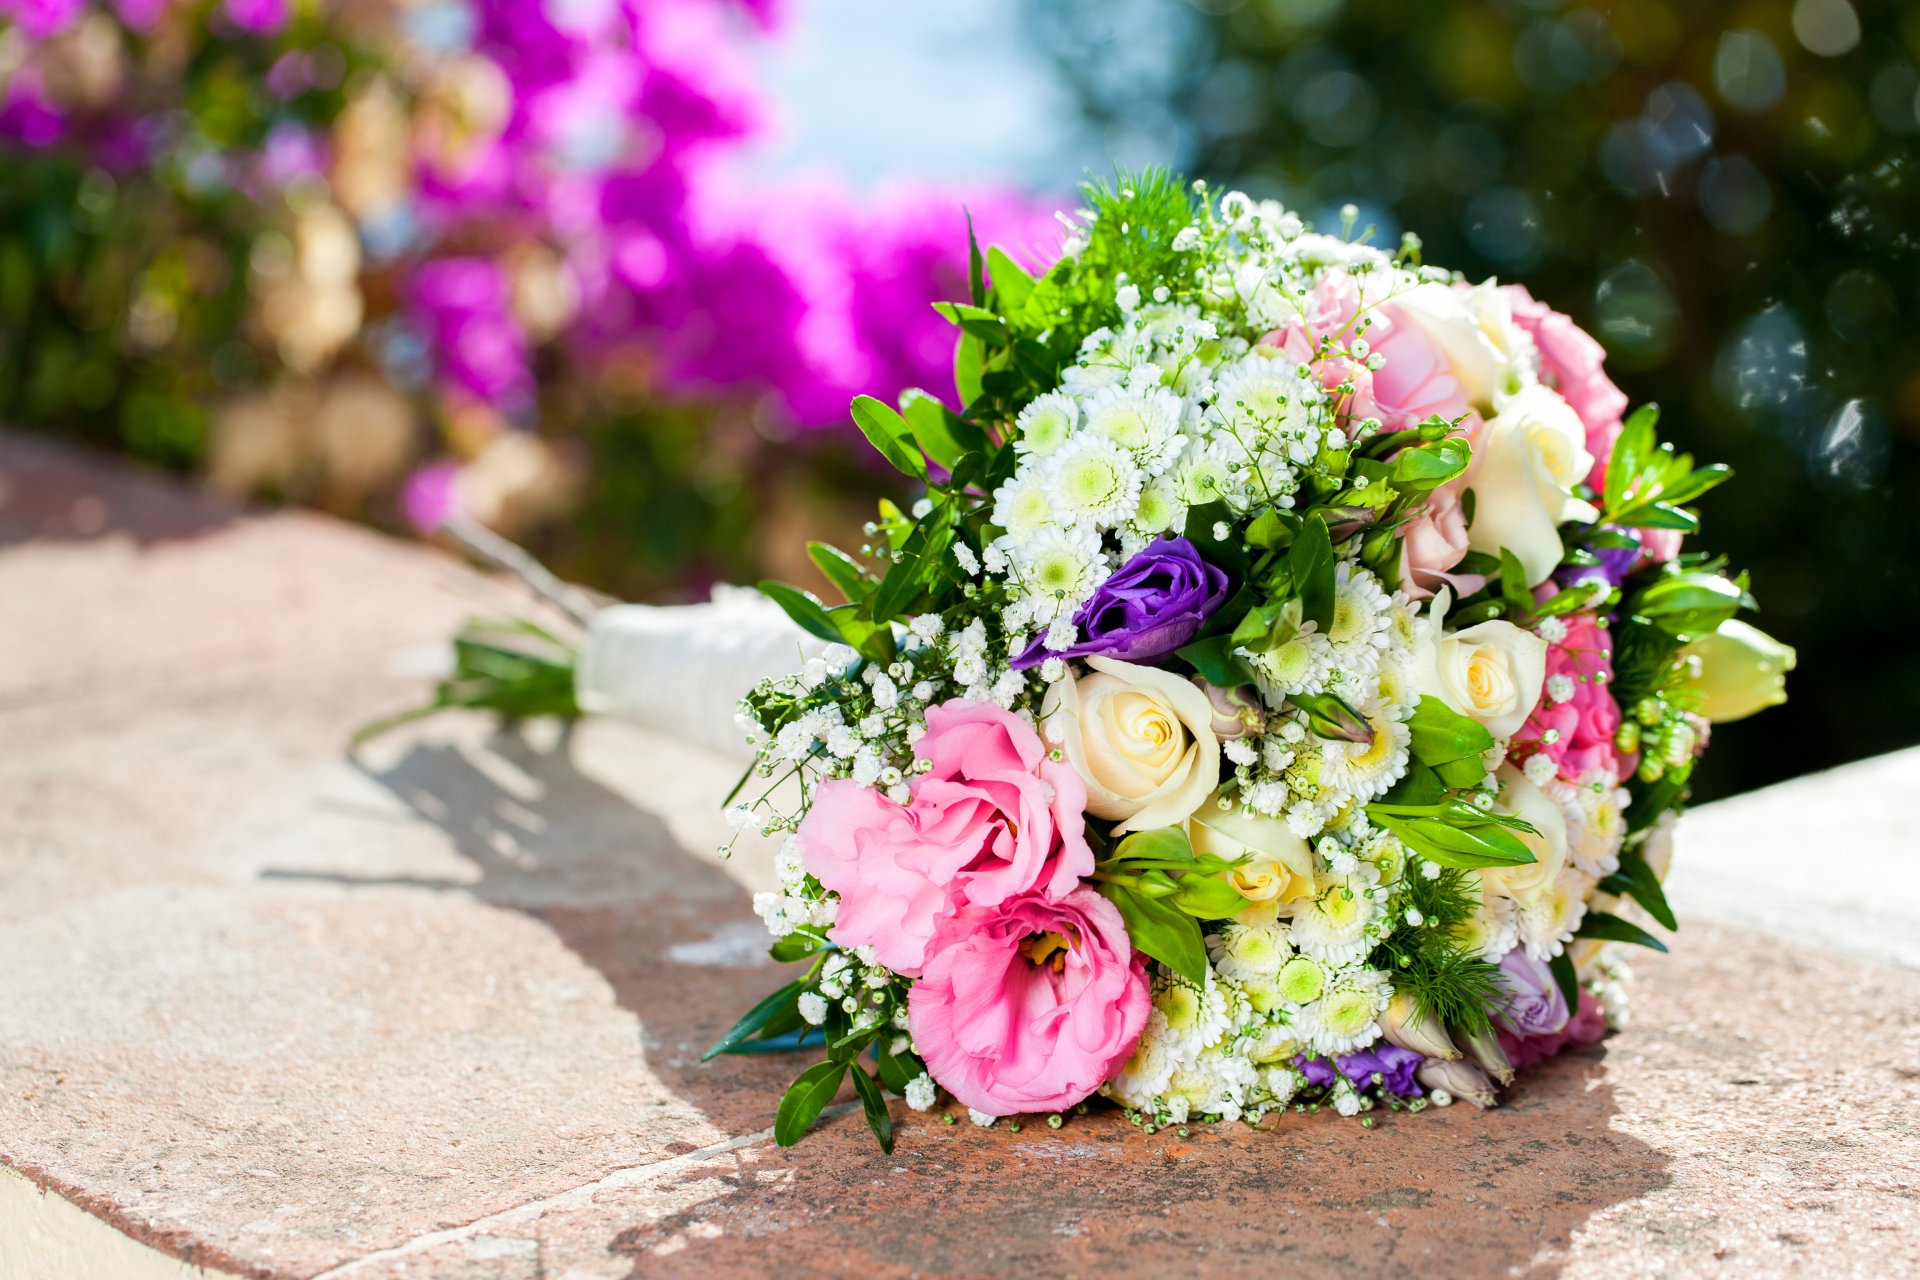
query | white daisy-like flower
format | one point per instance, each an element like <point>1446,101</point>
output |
<point>1022,506</point>
<point>1094,481</point>
<point>1215,1085</point>
<point>1596,820</point>
<point>1361,613</point>
<point>1302,665</point>
<point>1265,404</point>
<point>1202,476</point>
<point>1191,1019</point>
<point>1548,919</point>
<point>1494,929</point>
<point>1368,769</point>
<point>1337,926</point>
<point>1146,1073</point>
<point>1044,425</point>
<point>1248,953</point>
<point>1161,508</point>
<point>1344,1019</point>
<point>1396,685</point>
<point>1059,568</point>
<point>1143,421</point>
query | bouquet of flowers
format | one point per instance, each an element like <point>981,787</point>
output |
<point>1280,697</point>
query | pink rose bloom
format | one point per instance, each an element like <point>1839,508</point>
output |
<point>1570,363</point>
<point>1415,383</point>
<point>1434,541</point>
<point>1587,1026</point>
<point>993,818</point>
<point>1587,722</point>
<point>1032,1005</point>
<point>1657,546</point>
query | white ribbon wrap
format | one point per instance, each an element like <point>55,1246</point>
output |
<point>680,670</point>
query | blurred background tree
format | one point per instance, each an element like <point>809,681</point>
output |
<point>1725,192</point>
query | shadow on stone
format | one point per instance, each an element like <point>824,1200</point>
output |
<point>1454,1192</point>
<point>52,491</point>
<point>674,936</point>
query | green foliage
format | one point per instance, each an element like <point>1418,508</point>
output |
<point>1163,889</point>
<point>512,667</point>
<point>1455,833</point>
<point>1429,963</point>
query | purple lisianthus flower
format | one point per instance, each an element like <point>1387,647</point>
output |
<point>1394,1065</point>
<point>1150,606</point>
<point>1318,1071</point>
<point>1533,1004</point>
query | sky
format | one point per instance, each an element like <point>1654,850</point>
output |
<point>943,90</point>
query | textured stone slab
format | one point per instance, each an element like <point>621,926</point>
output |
<point>435,1009</point>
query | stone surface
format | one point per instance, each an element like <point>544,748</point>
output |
<point>435,1008</point>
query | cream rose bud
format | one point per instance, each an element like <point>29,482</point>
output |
<point>1740,670</point>
<point>1141,738</point>
<point>1529,881</point>
<point>1525,464</point>
<point>1491,672</point>
<point>1278,866</point>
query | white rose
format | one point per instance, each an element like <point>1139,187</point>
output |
<point>1529,881</point>
<point>1475,332</point>
<point>1525,464</point>
<point>1278,866</point>
<point>1491,673</point>
<point>1141,738</point>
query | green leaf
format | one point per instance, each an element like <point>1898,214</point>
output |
<point>1441,735</point>
<point>1630,451</point>
<point>1224,553</point>
<point>1430,465</point>
<point>1451,845</point>
<point>1566,979</point>
<point>805,1100</point>
<point>874,1103</point>
<point>1514,588</point>
<point>842,570</point>
<point>942,434</point>
<point>977,321</point>
<point>804,609</point>
<point>897,1070</point>
<point>1216,662</point>
<point>888,432</point>
<point>1310,561</point>
<point>1162,844</point>
<point>968,358</point>
<point>1635,879</point>
<point>1601,924</point>
<point>1329,716</point>
<point>913,571</point>
<point>797,945</point>
<point>1162,931</point>
<point>1207,897</point>
<point>757,1017</point>
<point>976,274</point>
<point>1012,284</point>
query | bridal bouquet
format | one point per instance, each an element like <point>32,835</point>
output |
<point>1282,692</point>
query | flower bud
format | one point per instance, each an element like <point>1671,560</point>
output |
<point>1403,1024</point>
<point>1742,670</point>
<point>1461,1079</point>
<point>1484,1048</point>
<point>1237,712</point>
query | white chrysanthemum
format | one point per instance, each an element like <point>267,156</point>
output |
<point>1367,769</point>
<point>1248,953</point>
<point>1161,508</point>
<point>1361,614</point>
<point>1271,1042</point>
<point>1596,820</point>
<point>1344,1019</point>
<point>1301,665</point>
<point>1145,1074</point>
<point>1191,1019</point>
<point>1494,929</point>
<point>1093,481</point>
<point>1549,918</point>
<point>1059,568</point>
<point>1396,685</point>
<point>1336,928</point>
<point>1143,421</point>
<point>1203,476</point>
<point>1216,1084</point>
<point>1022,506</point>
<point>1044,425</point>
<point>1265,404</point>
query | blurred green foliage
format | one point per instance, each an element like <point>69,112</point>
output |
<point>1725,192</point>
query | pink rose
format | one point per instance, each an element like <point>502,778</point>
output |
<point>1657,546</point>
<point>1587,1026</point>
<point>1586,724</point>
<point>1032,1005</point>
<point>1416,380</point>
<point>1434,541</point>
<point>1570,363</point>
<point>993,818</point>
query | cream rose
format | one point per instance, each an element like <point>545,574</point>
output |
<point>1525,464</point>
<point>1141,738</point>
<point>1476,334</point>
<point>1530,881</point>
<point>1278,866</point>
<point>1491,673</point>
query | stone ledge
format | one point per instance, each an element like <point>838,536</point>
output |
<point>436,1009</point>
